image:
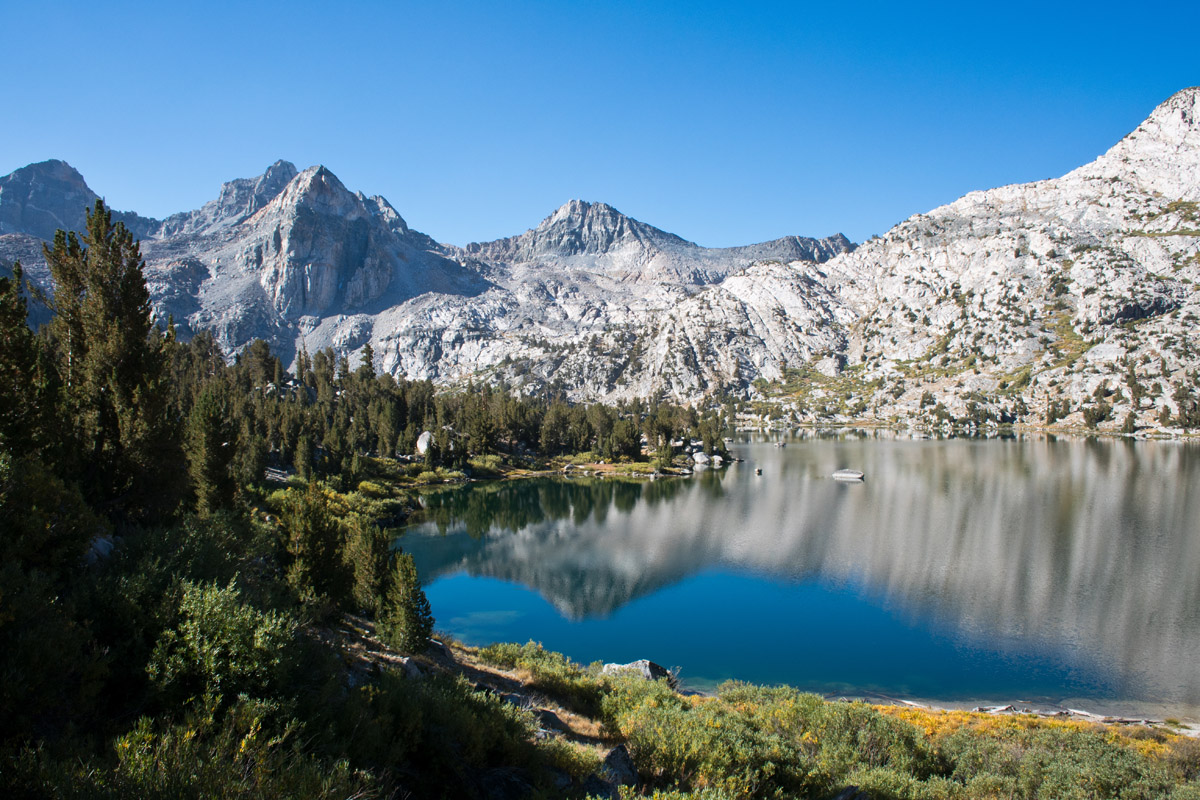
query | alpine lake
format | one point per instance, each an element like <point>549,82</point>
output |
<point>1047,572</point>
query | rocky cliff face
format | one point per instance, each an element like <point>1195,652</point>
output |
<point>1078,289</point>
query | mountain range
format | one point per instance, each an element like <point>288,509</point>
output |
<point>1079,289</point>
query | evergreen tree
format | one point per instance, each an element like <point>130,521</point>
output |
<point>367,552</point>
<point>24,393</point>
<point>113,363</point>
<point>210,449</point>
<point>407,623</point>
<point>366,364</point>
<point>315,542</point>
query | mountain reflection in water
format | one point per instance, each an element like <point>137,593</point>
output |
<point>1089,548</point>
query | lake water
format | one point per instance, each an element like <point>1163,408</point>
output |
<point>1031,569</point>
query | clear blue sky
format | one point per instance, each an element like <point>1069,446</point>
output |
<point>726,123</point>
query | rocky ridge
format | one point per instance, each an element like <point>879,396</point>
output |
<point>1077,291</point>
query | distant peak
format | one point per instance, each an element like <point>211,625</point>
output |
<point>53,168</point>
<point>581,210</point>
<point>280,170</point>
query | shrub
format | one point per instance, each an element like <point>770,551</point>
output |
<point>439,725</point>
<point>223,647</point>
<point>248,752</point>
<point>706,743</point>
<point>551,673</point>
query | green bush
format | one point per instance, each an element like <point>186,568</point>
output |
<point>367,552</point>
<point>247,752</point>
<point>223,647</point>
<point>705,743</point>
<point>551,673</point>
<point>315,540</point>
<point>439,726</point>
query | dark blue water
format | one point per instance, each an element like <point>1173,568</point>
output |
<point>1048,571</point>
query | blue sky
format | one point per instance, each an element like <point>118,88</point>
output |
<point>726,123</point>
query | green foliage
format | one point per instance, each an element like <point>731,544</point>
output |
<point>690,744</point>
<point>367,552</point>
<point>1097,413</point>
<point>440,726</point>
<point>26,385</point>
<point>1056,410</point>
<point>113,365</point>
<point>223,647</point>
<point>45,524</point>
<point>315,540</point>
<point>407,621</point>
<point>250,751</point>
<point>210,448</point>
<point>550,673</point>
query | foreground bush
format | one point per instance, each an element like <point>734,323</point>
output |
<point>250,751</point>
<point>552,673</point>
<point>223,647</point>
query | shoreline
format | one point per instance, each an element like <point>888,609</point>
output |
<point>1107,713</point>
<point>1103,712</point>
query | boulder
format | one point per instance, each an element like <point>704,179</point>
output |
<point>597,787</point>
<point>701,458</point>
<point>618,767</point>
<point>423,442</point>
<point>409,667</point>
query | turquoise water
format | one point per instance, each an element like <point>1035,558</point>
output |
<point>1046,571</point>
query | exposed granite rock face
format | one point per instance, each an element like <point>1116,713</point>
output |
<point>239,199</point>
<point>1039,291</point>
<point>41,198</point>
<point>1004,299</point>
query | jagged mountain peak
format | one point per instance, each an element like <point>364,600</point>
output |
<point>582,209</point>
<point>600,218</point>
<point>318,190</point>
<point>40,198</point>
<point>281,170</point>
<point>578,228</point>
<point>238,200</point>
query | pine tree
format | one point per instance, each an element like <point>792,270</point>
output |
<point>407,623</point>
<point>304,456</point>
<point>315,543</point>
<point>24,388</point>
<point>113,365</point>
<point>366,364</point>
<point>367,552</point>
<point>210,449</point>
